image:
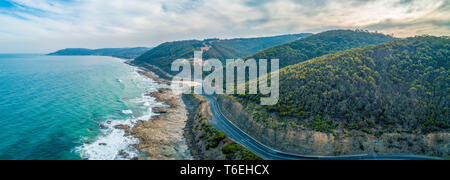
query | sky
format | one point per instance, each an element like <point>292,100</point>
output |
<point>43,26</point>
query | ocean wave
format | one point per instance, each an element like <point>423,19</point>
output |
<point>115,143</point>
<point>128,112</point>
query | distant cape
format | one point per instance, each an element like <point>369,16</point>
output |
<point>125,53</point>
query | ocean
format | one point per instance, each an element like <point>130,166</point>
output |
<point>66,107</point>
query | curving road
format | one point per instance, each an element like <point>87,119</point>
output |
<point>220,122</point>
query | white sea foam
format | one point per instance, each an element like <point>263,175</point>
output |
<point>127,112</point>
<point>109,146</point>
<point>114,144</point>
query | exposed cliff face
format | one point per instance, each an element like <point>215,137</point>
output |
<point>198,111</point>
<point>310,142</point>
<point>204,141</point>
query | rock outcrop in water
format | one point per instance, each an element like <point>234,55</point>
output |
<point>161,137</point>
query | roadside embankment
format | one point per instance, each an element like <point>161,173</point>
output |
<point>266,128</point>
<point>206,142</point>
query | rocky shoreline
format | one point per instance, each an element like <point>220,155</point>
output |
<point>162,136</point>
<point>180,130</point>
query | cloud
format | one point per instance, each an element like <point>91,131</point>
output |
<point>47,25</point>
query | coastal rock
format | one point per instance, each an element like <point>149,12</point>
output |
<point>166,96</point>
<point>123,127</point>
<point>126,128</point>
<point>103,127</point>
<point>124,154</point>
<point>162,137</point>
<point>160,110</point>
<point>154,77</point>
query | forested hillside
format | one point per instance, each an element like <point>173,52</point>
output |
<point>126,53</point>
<point>320,44</point>
<point>163,55</point>
<point>401,85</point>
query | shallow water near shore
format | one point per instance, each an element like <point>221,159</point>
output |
<point>66,107</point>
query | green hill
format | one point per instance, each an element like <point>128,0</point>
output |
<point>328,42</point>
<point>163,55</point>
<point>401,85</point>
<point>126,53</point>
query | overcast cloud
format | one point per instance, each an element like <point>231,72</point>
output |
<point>48,25</point>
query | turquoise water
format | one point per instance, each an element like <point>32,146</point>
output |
<point>54,107</point>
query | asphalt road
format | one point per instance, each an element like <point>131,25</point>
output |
<point>220,122</point>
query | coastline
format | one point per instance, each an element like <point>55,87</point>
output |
<point>181,129</point>
<point>178,128</point>
<point>162,136</point>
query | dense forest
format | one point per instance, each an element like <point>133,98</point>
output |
<point>125,53</point>
<point>402,85</point>
<point>163,55</point>
<point>320,44</point>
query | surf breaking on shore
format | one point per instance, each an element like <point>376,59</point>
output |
<point>156,135</point>
<point>162,137</point>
